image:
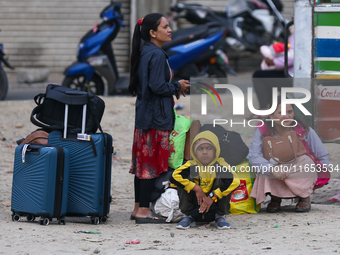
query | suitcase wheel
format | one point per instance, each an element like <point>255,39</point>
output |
<point>16,217</point>
<point>30,217</point>
<point>61,221</point>
<point>44,221</point>
<point>103,219</point>
<point>95,220</point>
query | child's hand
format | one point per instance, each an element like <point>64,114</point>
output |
<point>199,194</point>
<point>205,206</point>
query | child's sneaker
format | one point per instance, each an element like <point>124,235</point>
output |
<point>222,223</point>
<point>186,223</point>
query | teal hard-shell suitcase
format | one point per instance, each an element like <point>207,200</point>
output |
<point>40,183</point>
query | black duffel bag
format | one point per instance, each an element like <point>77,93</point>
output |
<point>161,184</point>
<point>233,149</point>
<point>50,112</point>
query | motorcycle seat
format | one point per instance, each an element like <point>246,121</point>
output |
<point>187,35</point>
<point>102,26</point>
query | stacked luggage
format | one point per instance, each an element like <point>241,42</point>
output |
<point>39,189</point>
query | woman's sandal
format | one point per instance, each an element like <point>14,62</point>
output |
<point>274,205</point>
<point>151,218</point>
<point>304,205</point>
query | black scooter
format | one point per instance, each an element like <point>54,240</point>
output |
<point>198,52</point>
<point>250,23</point>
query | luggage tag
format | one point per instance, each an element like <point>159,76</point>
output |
<point>83,137</point>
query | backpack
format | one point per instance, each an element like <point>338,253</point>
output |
<point>50,110</point>
<point>161,184</point>
<point>233,149</point>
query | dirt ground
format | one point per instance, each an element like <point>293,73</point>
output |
<point>287,232</point>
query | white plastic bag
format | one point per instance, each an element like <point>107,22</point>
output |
<point>168,206</point>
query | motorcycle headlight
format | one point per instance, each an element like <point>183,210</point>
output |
<point>80,46</point>
<point>201,14</point>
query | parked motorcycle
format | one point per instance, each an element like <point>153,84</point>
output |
<point>96,59</point>
<point>3,76</point>
<point>250,23</point>
<point>193,52</point>
<point>198,52</point>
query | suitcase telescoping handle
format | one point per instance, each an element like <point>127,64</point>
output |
<point>82,135</point>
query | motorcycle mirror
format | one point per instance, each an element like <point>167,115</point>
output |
<point>173,8</point>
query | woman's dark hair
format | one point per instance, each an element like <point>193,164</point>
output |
<point>272,129</point>
<point>150,22</point>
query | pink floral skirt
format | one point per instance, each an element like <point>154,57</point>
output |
<point>150,153</point>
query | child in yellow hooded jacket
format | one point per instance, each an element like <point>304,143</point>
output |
<point>205,180</point>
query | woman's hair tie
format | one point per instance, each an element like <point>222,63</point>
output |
<point>140,21</point>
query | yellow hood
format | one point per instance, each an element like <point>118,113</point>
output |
<point>205,178</point>
<point>212,138</point>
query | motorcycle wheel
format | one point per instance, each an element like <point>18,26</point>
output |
<point>3,84</point>
<point>216,72</point>
<point>95,85</point>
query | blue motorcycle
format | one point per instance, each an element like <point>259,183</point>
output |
<point>193,52</point>
<point>199,52</point>
<point>96,58</point>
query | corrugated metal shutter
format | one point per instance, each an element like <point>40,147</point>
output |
<point>38,33</point>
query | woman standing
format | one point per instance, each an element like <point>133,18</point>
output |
<point>151,81</point>
<point>301,178</point>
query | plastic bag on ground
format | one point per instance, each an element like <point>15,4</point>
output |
<point>168,206</point>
